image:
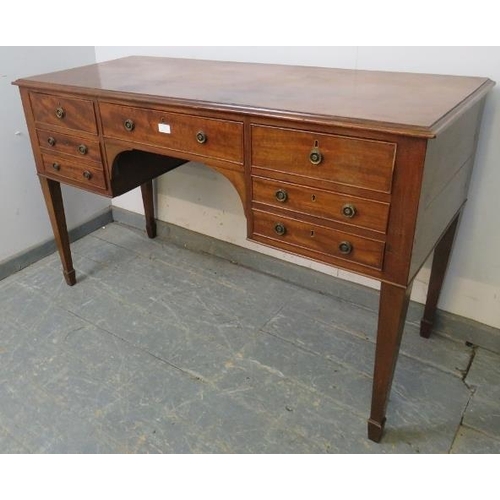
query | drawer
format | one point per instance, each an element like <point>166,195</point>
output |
<point>319,203</point>
<point>66,112</point>
<point>212,138</point>
<point>297,235</point>
<point>82,148</point>
<point>355,162</point>
<point>85,175</point>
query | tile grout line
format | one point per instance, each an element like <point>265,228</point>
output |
<point>471,394</point>
<point>192,375</point>
<point>467,369</point>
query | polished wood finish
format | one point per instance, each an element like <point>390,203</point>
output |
<point>447,169</point>
<point>321,204</point>
<point>323,242</point>
<point>53,199</point>
<point>397,103</point>
<point>77,114</point>
<point>391,319</point>
<point>397,147</point>
<point>149,208</point>
<point>440,260</point>
<point>223,138</point>
<point>355,162</point>
<point>86,175</point>
<point>83,148</point>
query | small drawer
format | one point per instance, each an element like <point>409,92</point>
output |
<point>70,170</point>
<point>319,203</point>
<point>297,235</point>
<point>354,162</point>
<point>207,137</point>
<point>82,148</point>
<point>66,112</point>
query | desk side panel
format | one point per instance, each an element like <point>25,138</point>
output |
<point>447,171</point>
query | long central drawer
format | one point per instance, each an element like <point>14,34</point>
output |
<point>207,137</point>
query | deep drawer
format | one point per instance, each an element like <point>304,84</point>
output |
<point>319,203</point>
<point>66,112</point>
<point>80,147</point>
<point>354,162</point>
<point>86,176</point>
<point>213,138</point>
<point>298,235</point>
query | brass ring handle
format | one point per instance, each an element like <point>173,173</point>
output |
<point>129,125</point>
<point>281,195</point>
<point>82,149</point>
<point>51,141</point>
<point>87,175</point>
<point>345,247</point>
<point>315,156</point>
<point>60,113</point>
<point>279,229</point>
<point>201,137</point>
<point>56,166</point>
<point>349,211</point>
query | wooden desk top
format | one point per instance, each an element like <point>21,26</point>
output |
<point>401,103</point>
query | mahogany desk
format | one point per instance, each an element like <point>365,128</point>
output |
<point>366,171</point>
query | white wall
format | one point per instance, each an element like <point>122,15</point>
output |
<point>24,222</point>
<point>199,199</point>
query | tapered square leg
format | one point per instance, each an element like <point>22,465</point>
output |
<point>149,208</point>
<point>53,199</point>
<point>440,261</point>
<point>392,314</point>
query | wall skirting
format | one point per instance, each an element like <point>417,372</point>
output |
<point>23,259</point>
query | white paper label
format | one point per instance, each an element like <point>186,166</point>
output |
<point>164,128</point>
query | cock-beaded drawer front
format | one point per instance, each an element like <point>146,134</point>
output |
<point>208,137</point>
<point>66,112</point>
<point>296,236</point>
<point>81,147</point>
<point>345,160</point>
<point>320,203</point>
<point>74,172</point>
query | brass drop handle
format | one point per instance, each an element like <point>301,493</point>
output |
<point>345,247</point>
<point>279,229</point>
<point>129,125</point>
<point>201,137</point>
<point>60,113</point>
<point>349,211</point>
<point>56,166</point>
<point>281,195</point>
<point>82,149</point>
<point>315,156</point>
<point>51,141</point>
<point>87,175</point>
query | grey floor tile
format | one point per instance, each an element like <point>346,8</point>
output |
<point>44,425</point>
<point>223,422</point>
<point>437,351</point>
<point>484,373</point>
<point>483,411</point>
<point>333,428</point>
<point>471,441</point>
<point>162,350</point>
<point>342,382</point>
<point>10,445</point>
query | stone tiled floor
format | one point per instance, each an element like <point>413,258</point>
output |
<point>159,349</point>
